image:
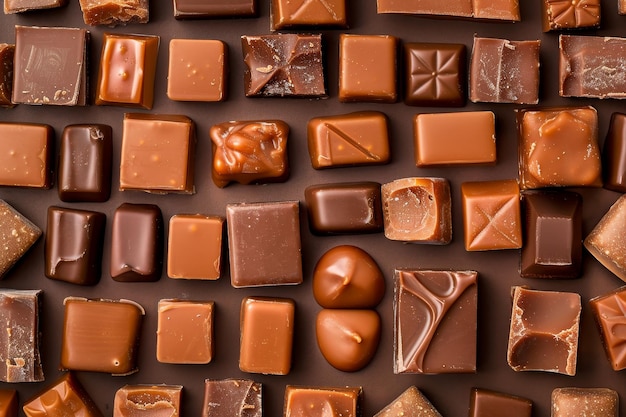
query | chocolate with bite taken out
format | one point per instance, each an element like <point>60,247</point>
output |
<point>114,12</point>
<point>136,400</point>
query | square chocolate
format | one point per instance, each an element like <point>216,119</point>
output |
<point>19,6</point>
<point>197,70</point>
<point>435,74</point>
<point>408,403</point>
<point>194,249</point>
<point>7,52</point>
<point>17,236</point>
<point>559,14</point>
<point>148,400</point>
<point>127,70</point>
<point>287,14</point>
<point>8,403</point>
<point>377,53</point>
<point>50,66</point>
<point>583,402</point>
<point>334,401</point>
<point>64,397</point>
<point>157,153</point>
<point>435,321</point>
<point>114,12</point>
<point>607,240</point>
<point>230,397</point>
<point>491,215</point>
<point>26,155</point>
<point>193,9</point>
<point>283,65</point>
<point>487,403</point>
<point>610,313</point>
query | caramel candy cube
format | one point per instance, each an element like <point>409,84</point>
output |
<point>411,403</point>
<point>610,314</point>
<point>559,147</point>
<point>491,215</point>
<point>455,138</point>
<point>288,14</point>
<point>114,12</point>
<point>185,331</point>
<point>336,401</point>
<point>17,236</point>
<point>232,397</point>
<point>65,397</point>
<point>585,402</point>
<point>558,15</point>
<point>26,155</point>
<point>7,52</point>
<point>377,53</point>
<point>197,70</point>
<point>19,6</point>
<point>544,331</point>
<point>147,400</point>
<point>487,403</point>
<point>8,403</point>
<point>267,326</point>
<point>127,70</point>
<point>101,335</point>
<point>607,240</point>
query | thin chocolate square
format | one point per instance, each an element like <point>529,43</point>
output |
<point>229,397</point>
<point>408,403</point>
<point>487,403</point>
<point>8,403</point>
<point>336,401</point>
<point>17,236</point>
<point>435,316</point>
<point>435,74</point>
<point>192,9</point>
<point>65,396</point>
<point>74,240</point>
<point>288,14</point>
<point>610,313</point>
<point>583,402</point>
<point>114,12</point>
<point>7,52</point>
<point>148,400</point>
<point>607,241</point>
<point>26,155</point>
<point>19,6</point>
<point>560,14</point>
<point>50,66</point>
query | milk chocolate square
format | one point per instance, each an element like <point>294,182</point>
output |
<point>583,402</point>
<point>339,401</point>
<point>148,400</point>
<point>7,52</point>
<point>197,70</point>
<point>487,403</point>
<point>19,6</point>
<point>65,397</point>
<point>607,241</point>
<point>26,155</point>
<point>610,313</point>
<point>194,9</point>
<point>559,14</point>
<point>410,402</point>
<point>232,397</point>
<point>17,236</point>
<point>114,12</point>
<point>288,14</point>
<point>8,403</point>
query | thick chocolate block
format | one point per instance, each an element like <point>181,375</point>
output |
<point>101,335</point>
<point>127,70</point>
<point>194,9</point>
<point>7,52</point>
<point>250,152</point>
<point>197,70</point>
<point>283,65</point>
<point>20,360</point>
<point>410,403</point>
<point>26,155</point>
<point>418,210</point>
<point>553,235</point>
<point>544,331</point>
<point>73,251</point>
<point>558,147</point>
<point>377,53</point>
<point>455,138</point>
<point>303,400</point>
<point>610,314</point>
<point>137,243</point>
<point>264,243</point>
<point>487,403</point>
<point>558,15</point>
<point>582,402</point>
<point>435,321</point>
<point>347,277</point>
<point>507,10</point>
<point>114,12</point>
<point>289,14</point>
<point>65,397</point>
<point>50,66</point>
<point>504,71</point>
<point>435,74</point>
<point>85,163</point>
<point>360,138</point>
<point>607,240</point>
<point>17,236</point>
<point>614,155</point>
<point>232,397</point>
<point>267,327</point>
<point>19,6</point>
<point>353,207</point>
<point>185,331</point>
<point>158,153</point>
<point>148,400</point>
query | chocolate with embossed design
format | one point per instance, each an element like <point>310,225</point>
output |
<point>610,314</point>
<point>567,14</point>
<point>289,13</point>
<point>66,396</point>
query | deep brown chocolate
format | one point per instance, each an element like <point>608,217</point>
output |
<point>114,12</point>
<point>610,314</point>
<point>203,9</point>
<point>487,403</point>
<point>17,236</point>
<point>158,400</point>
<point>7,52</point>
<point>301,401</point>
<point>232,397</point>
<point>65,396</point>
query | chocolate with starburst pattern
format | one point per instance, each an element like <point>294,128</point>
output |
<point>570,14</point>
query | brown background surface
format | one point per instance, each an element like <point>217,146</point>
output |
<point>498,269</point>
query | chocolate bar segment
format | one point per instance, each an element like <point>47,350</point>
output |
<point>486,403</point>
<point>7,52</point>
<point>288,14</point>
<point>17,236</point>
<point>579,402</point>
<point>66,396</point>
<point>26,155</point>
<point>558,15</point>
<point>202,9</point>
<point>407,403</point>
<point>614,155</point>
<point>8,403</point>
<point>114,12</point>
<point>304,400</point>
<point>507,10</point>
<point>19,6</point>
<point>610,313</point>
<point>232,397</point>
<point>607,241</point>
<point>147,400</point>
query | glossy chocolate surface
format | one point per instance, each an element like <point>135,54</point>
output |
<point>614,154</point>
<point>559,15</point>
<point>609,312</point>
<point>114,12</point>
<point>203,9</point>
<point>26,155</point>
<point>507,10</point>
<point>8,403</point>
<point>7,52</point>
<point>317,13</point>
<point>487,403</point>
<point>606,242</point>
<point>64,396</point>
<point>601,402</point>
<point>232,397</point>
<point>137,400</point>
<point>301,401</point>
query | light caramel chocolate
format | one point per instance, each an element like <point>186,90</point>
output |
<point>138,400</point>
<point>607,240</point>
<point>26,155</point>
<point>114,12</point>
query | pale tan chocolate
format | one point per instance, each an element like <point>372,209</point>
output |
<point>26,155</point>
<point>607,240</point>
<point>156,400</point>
<point>114,12</point>
<point>558,14</point>
<point>410,403</point>
<point>585,402</point>
<point>19,6</point>
<point>301,401</point>
<point>17,236</point>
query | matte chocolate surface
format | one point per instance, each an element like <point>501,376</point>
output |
<point>606,242</point>
<point>19,6</point>
<point>410,403</point>
<point>232,397</point>
<point>114,12</point>
<point>289,14</point>
<point>26,154</point>
<point>17,236</point>
<point>7,52</point>
<point>66,396</point>
<point>610,316</point>
<point>579,402</point>
<point>146,400</point>
<point>301,401</point>
<point>202,9</point>
<point>487,403</point>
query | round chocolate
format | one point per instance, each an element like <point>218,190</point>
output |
<point>347,277</point>
<point>348,339</point>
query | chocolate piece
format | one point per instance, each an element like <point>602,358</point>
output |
<point>553,235</point>
<point>7,52</point>
<point>137,243</point>
<point>19,6</point>
<point>267,326</point>
<point>194,249</point>
<point>503,71</point>
<point>359,138</point>
<point>232,397</point>
<point>486,403</point>
<point>283,65</point>
<point>17,236</point>
<point>367,68</point>
<point>558,14</point>
<point>197,70</point>
<point>250,152</point>
<point>114,12</point>
<point>507,10</point>
<point>288,14</point>
<point>411,403</point>
<point>491,215</point>
<point>158,153</point>
<point>147,400</point>
<point>127,70</point>
<point>74,240</point>
<point>559,147</point>
<point>85,163</point>
<point>455,138</point>
<point>303,401</point>
<point>8,403</point>
<point>585,402</point>
<point>185,331</point>
<point>348,339</point>
<point>101,335</point>
<point>614,155</point>
<point>435,74</point>
<point>418,210</point>
<point>588,66</point>
<point>607,242</point>
<point>20,360</point>
<point>199,9</point>
<point>621,7</point>
<point>65,397</point>
<point>610,313</point>
<point>264,243</point>
<point>50,66</point>
<point>344,208</point>
<point>435,315</point>
<point>26,155</point>
<point>347,277</point>
<point>544,331</point>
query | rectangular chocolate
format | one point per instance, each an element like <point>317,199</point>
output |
<point>286,14</point>
<point>65,397</point>
<point>507,10</point>
<point>303,401</point>
<point>610,315</point>
<point>19,6</point>
<point>203,9</point>
<point>621,6</point>
<point>607,240</point>
<point>26,154</point>
<point>114,12</point>
<point>148,400</point>
<point>574,401</point>
<point>7,52</point>
<point>485,403</point>
<point>17,236</point>
<point>232,397</point>
<point>559,15</point>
